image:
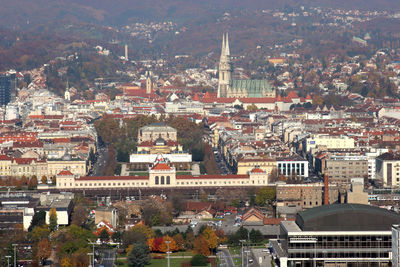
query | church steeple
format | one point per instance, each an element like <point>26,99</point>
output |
<point>227,52</point>
<point>225,68</point>
<point>67,94</point>
<point>223,47</point>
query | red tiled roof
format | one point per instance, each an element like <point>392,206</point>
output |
<point>161,166</point>
<point>24,160</point>
<point>65,173</point>
<point>257,170</point>
<point>5,157</point>
<point>115,178</point>
<point>292,94</point>
<point>212,176</point>
<point>197,206</point>
<point>275,221</point>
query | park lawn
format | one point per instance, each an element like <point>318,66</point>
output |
<point>235,250</point>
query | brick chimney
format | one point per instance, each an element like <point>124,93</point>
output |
<point>326,190</point>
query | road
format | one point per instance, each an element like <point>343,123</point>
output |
<point>107,260</point>
<point>226,258</point>
<point>262,258</point>
<point>100,161</point>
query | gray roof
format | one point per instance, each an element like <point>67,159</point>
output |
<point>158,127</point>
<point>347,217</point>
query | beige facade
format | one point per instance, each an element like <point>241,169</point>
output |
<point>304,195</point>
<point>328,142</point>
<point>157,130</point>
<point>342,170</point>
<point>29,167</point>
<point>107,214</point>
<point>244,166</point>
<point>77,167</point>
<point>357,195</point>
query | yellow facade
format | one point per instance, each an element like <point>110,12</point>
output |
<point>246,165</point>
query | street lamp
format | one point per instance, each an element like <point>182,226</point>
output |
<point>8,260</point>
<point>92,243</point>
<point>168,242</point>
<point>90,254</point>
<point>15,254</point>
<point>247,257</point>
<point>242,241</point>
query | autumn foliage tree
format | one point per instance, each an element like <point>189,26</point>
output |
<point>168,244</point>
<point>180,241</point>
<point>211,237</point>
<point>33,182</point>
<point>44,250</point>
<point>201,246</point>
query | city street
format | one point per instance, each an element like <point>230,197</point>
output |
<point>226,258</point>
<point>100,161</point>
<point>262,258</point>
<point>108,258</point>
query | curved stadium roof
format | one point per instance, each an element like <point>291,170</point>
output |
<point>347,217</point>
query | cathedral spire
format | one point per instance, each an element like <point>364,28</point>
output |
<point>223,46</point>
<point>227,52</point>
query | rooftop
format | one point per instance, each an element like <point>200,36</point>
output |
<point>346,217</point>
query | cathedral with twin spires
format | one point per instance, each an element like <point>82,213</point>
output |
<point>228,87</point>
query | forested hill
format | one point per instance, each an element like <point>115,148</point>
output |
<point>25,13</point>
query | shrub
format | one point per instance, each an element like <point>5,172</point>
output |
<point>158,257</point>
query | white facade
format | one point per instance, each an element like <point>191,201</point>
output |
<point>371,156</point>
<point>296,167</point>
<point>395,246</point>
<point>150,158</point>
<point>62,217</point>
<point>184,107</point>
<point>330,142</point>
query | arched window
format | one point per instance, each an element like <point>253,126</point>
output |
<point>162,179</point>
<point>157,180</point>
<point>168,180</point>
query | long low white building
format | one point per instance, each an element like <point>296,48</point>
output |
<point>161,175</point>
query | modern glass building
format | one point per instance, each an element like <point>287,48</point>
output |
<point>5,89</point>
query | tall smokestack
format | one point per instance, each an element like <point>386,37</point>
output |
<point>326,190</point>
<point>126,52</point>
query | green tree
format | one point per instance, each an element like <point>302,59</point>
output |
<point>139,256</point>
<point>39,218</point>
<point>199,260</point>
<point>256,236</point>
<point>264,195</point>
<point>53,219</point>
<point>104,236</point>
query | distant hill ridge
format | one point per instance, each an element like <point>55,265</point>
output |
<point>120,12</point>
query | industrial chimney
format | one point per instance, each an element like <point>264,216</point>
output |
<point>326,190</point>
